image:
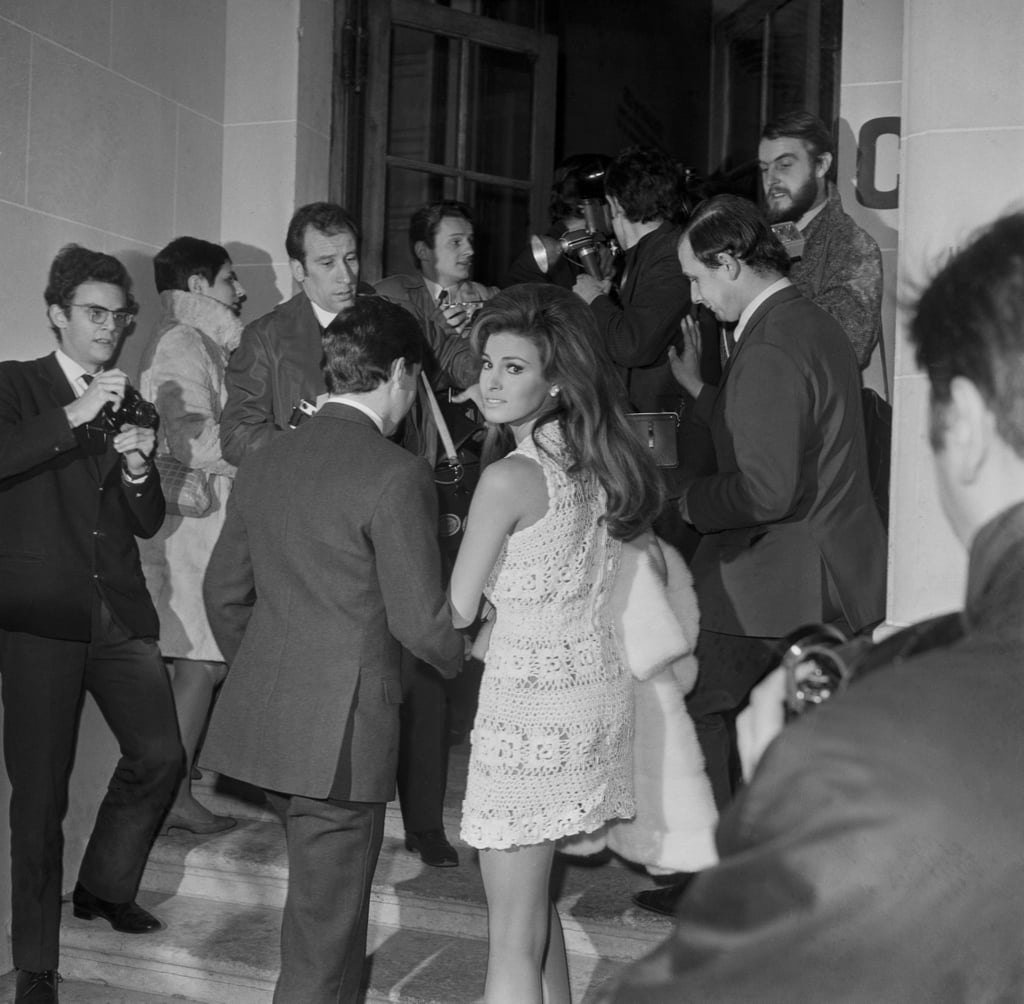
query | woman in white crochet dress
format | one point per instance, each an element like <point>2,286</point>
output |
<point>551,743</point>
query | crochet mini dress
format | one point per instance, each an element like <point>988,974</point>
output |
<point>551,747</point>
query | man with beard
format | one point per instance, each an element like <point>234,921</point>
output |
<point>841,266</point>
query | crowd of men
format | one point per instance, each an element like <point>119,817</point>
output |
<point>325,590</point>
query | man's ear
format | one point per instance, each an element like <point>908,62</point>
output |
<point>729,262</point>
<point>298,270</point>
<point>398,373</point>
<point>58,318</point>
<point>422,250</point>
<point>197,284</point>
<point>615,206</point>
<point>822,165</point>
<point>970,429</point>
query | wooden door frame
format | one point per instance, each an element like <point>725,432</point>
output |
<point>373,51</point>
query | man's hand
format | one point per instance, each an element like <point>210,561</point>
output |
<point>588,289</point>
<point>761,720</point>
<point>457,316</point>
<point>473,394</point>
<point>106,388</point>
<point>686,367</point>
<point>136,446</point>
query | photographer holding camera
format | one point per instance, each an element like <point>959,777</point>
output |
<point>77,486</point>
<point>638,312</point>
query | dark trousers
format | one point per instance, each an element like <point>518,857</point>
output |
<point>44,680</point>
<point>332,853</point>
<point>730,666</point>
<point>422,746</point>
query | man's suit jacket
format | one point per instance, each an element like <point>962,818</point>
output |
<point>276,365</point>
<point>791,533</point>
<point>641,321</point>
<point>327,563</point>
<point>68,521</point>
<point>452,362</point>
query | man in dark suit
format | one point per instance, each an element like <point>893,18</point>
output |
<point>638,314</point>
<point>276,367</point>
<point>875,855</point>
<point>75,615</point>
<point>790,533</point>
<point>327,565</point>
<point>443,299</point>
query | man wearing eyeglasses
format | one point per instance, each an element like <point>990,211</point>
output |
<point>77,487</point>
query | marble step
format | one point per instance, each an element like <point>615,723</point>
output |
<point>227,953</point>
<point>247,866</point>
<point>73,991</point>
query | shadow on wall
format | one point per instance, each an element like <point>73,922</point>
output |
<point>263,281</point>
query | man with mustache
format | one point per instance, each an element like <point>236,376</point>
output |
<point>841,266</point>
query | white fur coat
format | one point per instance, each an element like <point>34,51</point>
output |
<point>654,609</point>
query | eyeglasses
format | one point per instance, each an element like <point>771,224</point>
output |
<point>99,315</point>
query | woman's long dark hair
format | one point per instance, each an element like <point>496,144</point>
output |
<point>589,406</point>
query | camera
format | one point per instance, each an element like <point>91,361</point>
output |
<point>583,246</point>
<point>791,239</point>
<point>134,410</point>
<point>590,245</point>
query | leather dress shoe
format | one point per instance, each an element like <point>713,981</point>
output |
<point>433,848</point>
<point>37,988</point>
<point>201,827</point>
<point>128,918</point>
<point>663,899</point>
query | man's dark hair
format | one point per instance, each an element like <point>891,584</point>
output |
<point>327,217</point>
<point>803,126</point>
<point>731,224</point>
<point>185,257</point>
<point>426,221</point>
<point>969,322</point>
<point>578,177</point>
<point>74,265</point>
<point>361,344</point>
<point>647,183</point>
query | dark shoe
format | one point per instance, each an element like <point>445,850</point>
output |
<point>129,918</point>
<point>433,847</point>
<point>37,988</point>
<point>664,899</point>
<point>199,826</point>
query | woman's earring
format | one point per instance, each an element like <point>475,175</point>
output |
<point>554,391</point>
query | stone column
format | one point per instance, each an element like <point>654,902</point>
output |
<point>962,165</point>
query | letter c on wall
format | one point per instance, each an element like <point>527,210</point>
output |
<point>867,163</point>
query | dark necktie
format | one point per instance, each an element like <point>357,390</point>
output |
<point>442,298</point>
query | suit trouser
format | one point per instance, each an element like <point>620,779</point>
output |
<point>422,746</point>
<point>332,853</point>
<point>729,667</point>
<point>44,680</point>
